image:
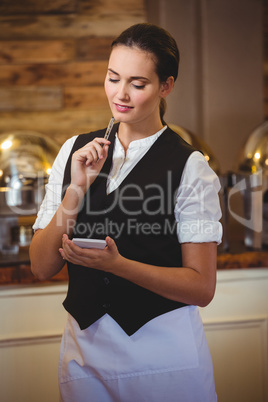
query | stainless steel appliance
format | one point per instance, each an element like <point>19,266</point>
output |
<point>250,179</point>
<point>26,159</point>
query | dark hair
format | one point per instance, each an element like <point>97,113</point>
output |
<point>157,41</point>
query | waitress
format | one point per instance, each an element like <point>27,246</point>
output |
<point>133,330</point>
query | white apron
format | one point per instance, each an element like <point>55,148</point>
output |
<point>166,360</point>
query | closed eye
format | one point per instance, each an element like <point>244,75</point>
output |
<point>139,86</point>
<point>113,80</point>
<point>134,85</point>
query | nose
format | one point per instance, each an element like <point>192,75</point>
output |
<point>123,92</point>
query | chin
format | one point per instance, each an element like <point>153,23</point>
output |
<point>120,117</point>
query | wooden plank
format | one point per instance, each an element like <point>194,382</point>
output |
<point>85,97</point>
<point>46,51</point>
<point>9,7</point>
<point>65,26</point>
<point>73,74</point>
<point>59,125</point>
<point>93,48</point>
<point>30,98</point>
<point>114,7</point>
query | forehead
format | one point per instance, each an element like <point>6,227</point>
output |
<point>131,61</point>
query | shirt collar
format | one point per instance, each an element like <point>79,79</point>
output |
<point>143,142</point>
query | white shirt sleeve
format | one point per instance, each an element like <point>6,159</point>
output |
<point>52,198</point>
<point>197,209</point>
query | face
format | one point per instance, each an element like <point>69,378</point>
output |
<point>132,86</point>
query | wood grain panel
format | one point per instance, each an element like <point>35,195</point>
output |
<point>65,26</point>
<point>89,7</point>
<point>9,7</point>
<point>85,97</point>
<point>59,124</point>
<point>30,98</point>
<point>73,74</point>
<point>46,51</point>
<point>94,48</point>
<point>135,7</point>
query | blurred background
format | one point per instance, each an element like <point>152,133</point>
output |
<point>53,60</point>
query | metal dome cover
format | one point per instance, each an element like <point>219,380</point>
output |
<point>26,159</point>
<point>254,154</point>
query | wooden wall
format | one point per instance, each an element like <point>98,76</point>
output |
<point>53,57</point>
<point>53,61</point>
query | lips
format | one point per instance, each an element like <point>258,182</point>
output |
<point>123,108</point>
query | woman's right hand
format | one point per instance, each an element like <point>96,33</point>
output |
<point>87,162</point>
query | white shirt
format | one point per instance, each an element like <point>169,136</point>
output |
<point>197,211</point>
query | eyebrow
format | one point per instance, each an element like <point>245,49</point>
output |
<point>133,77</point>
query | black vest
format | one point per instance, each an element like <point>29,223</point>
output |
<point>139,216</point>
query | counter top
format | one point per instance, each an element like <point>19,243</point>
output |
<point>247,259</point>
<point>18,271</point>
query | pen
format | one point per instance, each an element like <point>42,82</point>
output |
<point>109,129</point>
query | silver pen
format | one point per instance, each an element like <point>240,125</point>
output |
<point>109,128</point>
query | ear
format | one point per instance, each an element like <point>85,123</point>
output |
<point>166,87</point>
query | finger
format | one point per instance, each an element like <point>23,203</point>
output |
<point>62,253</point>
<point>111,244</point>
<point>91,153</point>
<point>92,156</point>
<point>68,246</point>
<point>88,154</point>
<point>101,148</point>
<point>70,255</point>
<point>105,151</point>
<point>102,141</point>
<point>98,142</point>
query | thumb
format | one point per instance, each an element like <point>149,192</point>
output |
<point>111,243</point>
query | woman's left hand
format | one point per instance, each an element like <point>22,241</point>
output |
<point>104,260</point>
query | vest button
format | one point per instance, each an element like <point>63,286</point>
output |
<point>106,306</point>
<point>106,280</point>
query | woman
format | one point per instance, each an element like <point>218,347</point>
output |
<point>133,331</point>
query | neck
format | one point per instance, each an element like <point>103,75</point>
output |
<point>128,133</point>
